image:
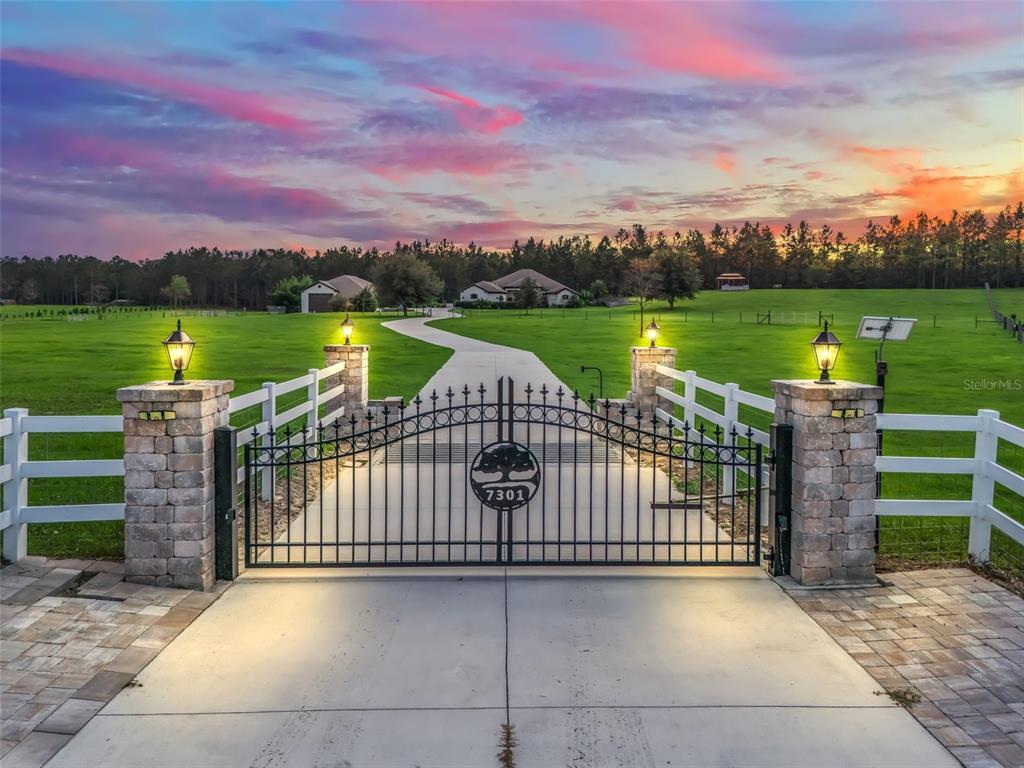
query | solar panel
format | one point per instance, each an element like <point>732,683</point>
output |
<point>885,328</point>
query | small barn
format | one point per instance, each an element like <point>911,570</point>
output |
<point>731,281</point>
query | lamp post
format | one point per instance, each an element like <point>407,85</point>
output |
<point>826,350</point>
<point>346,329</point>
<point>652,333</point>
<point>179,346</point>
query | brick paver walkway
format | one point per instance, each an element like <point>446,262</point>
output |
<point>63,657</point>
<point>951,635</point>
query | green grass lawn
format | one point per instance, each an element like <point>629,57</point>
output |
<point>62,366</point>
<point>948,366</point>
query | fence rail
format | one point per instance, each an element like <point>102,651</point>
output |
<point>17,425</point>
<point>728,420</point>
<point>983,468</point>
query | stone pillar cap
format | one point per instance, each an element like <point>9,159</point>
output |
<point>651,350</point>
<point>809,389</point>
<point>163,391</point>
<point>342,347</point>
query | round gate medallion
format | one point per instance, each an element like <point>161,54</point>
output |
<point>505,475</point>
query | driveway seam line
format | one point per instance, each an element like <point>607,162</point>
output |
<point>508,709</point>
<point>554,707</point>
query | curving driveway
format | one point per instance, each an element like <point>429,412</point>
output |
<point>474,361</point>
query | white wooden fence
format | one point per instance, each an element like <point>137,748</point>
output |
<point>729,419</point>
<point>17,425</point>
<point>983,467</point>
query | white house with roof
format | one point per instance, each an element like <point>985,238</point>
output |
<point>503,289</point>
<point>317,298</point>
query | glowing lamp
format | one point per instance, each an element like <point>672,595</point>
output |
<point>346,329</point>
<point>179,346</point>
<point>652,333</point>
<point>826,350</point>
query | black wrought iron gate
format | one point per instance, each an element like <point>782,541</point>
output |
<point>536,477</point>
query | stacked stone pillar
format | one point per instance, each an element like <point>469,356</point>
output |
<point>645,379</point>
<point>354,377</point>
<point>834,450</point>
<point>168,484</point>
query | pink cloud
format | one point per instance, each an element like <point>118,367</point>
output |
<point>460,157</point>
<point>229,102</point>
<point>684,38</point>
<point>678,38</point>
<point>473,115</point>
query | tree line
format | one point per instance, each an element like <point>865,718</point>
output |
<point>964,249</point>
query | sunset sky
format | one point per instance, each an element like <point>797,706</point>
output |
<point>140,127</point>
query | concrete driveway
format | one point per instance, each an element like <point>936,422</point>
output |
<point>476,362</point>
<point>598,667</point>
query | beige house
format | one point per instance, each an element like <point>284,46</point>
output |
<point>317,298</point>
<point>553,293</point>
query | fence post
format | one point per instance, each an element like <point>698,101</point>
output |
<point>834,452</point>
<point>731,413</point>
<point>355,376</point>
<point>169,514</point>
<point>270,417</point>
<point>645,379</point>
<point>313,396</point>
<point>979,538</point>
<point>16,493</point>
<point>689,395</point>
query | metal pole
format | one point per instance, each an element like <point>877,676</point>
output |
<point>225,483</point>
<point>600,377</point>
<point>781,497</point>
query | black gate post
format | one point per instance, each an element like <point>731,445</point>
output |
<point>781,491</point>
<point>225,486</point>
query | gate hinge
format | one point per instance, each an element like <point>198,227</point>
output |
<point>770,459</point>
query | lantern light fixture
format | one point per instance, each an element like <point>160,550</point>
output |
<point>179,346</point>
<point>652,333</point>
<point>826,350</point>
<point>346,329</point>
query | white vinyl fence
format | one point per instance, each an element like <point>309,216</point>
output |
<point>17,425</point>
<point>983,467</point>
<point>729,419</point>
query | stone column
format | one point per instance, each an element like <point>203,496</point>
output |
<point>354,377</point>
<point>168,482</point>
<point>834,450</point>
<point>644,378</point>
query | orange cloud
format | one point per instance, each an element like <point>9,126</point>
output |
<point>935,190</point>
<point>894,160</point>
<point>725,161</point>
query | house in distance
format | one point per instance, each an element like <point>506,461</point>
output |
<point>317,298</point>
<point>551,292</point>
